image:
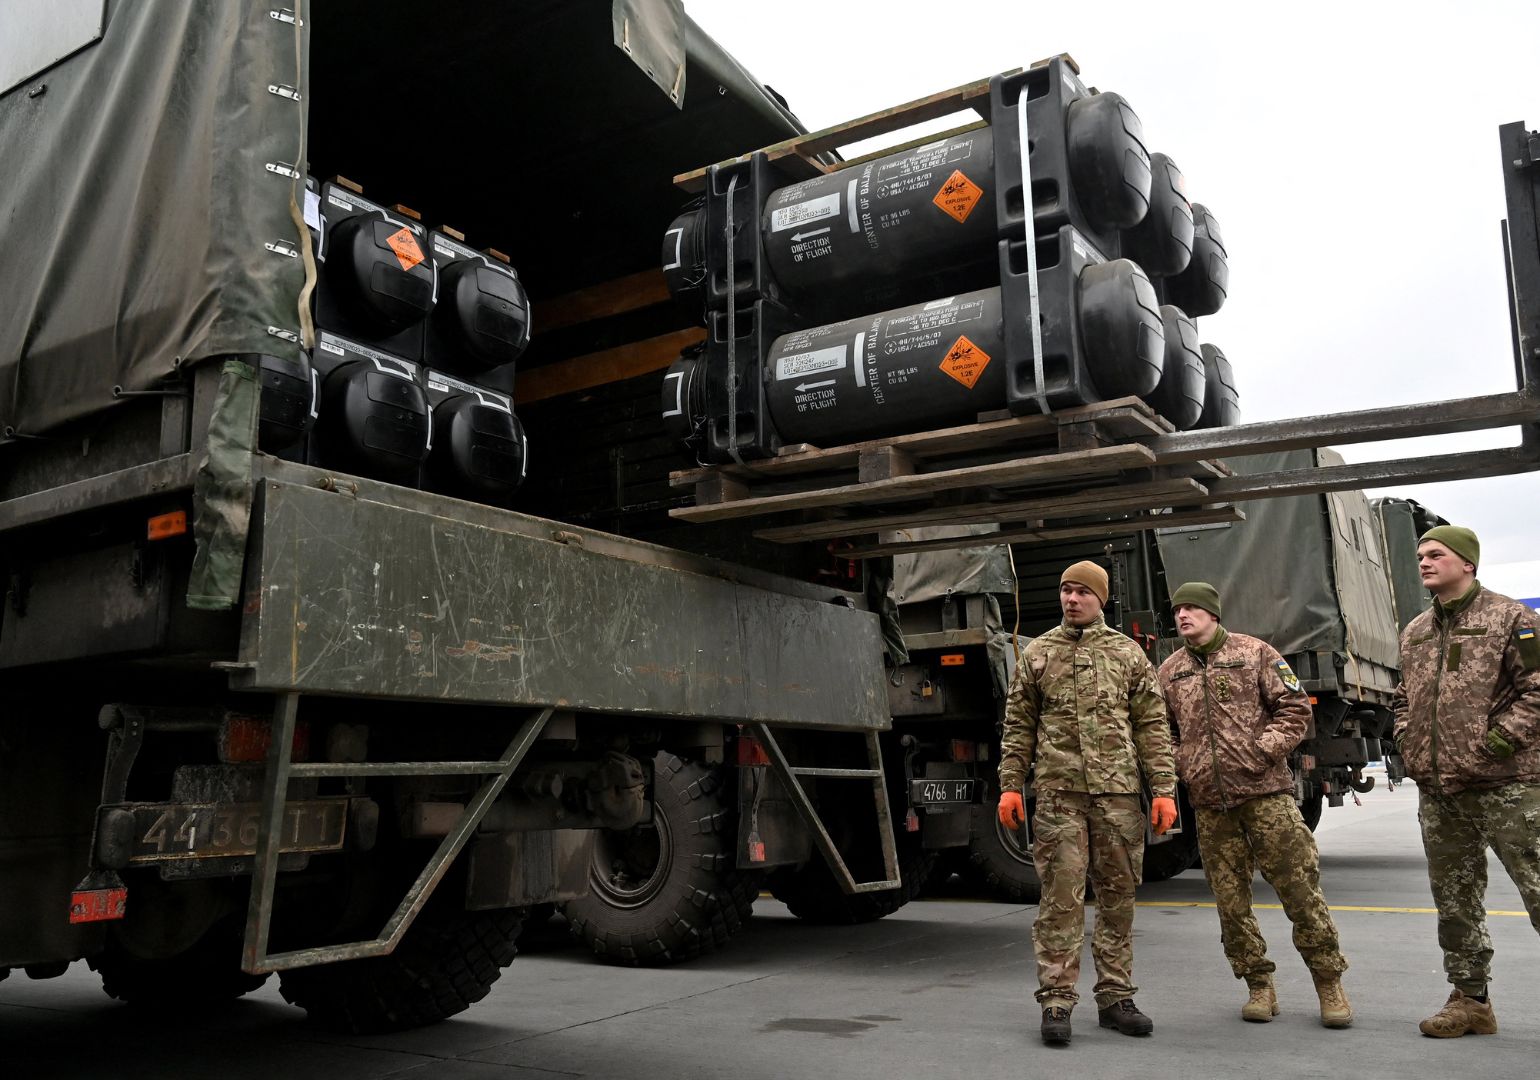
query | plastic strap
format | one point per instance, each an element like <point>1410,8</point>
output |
<point>732,332</point>
<point>1039,376</point>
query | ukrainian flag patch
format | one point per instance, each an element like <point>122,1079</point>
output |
<point>1286,673</point>
<point>1529,647</point>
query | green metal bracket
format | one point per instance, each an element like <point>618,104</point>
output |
<point>255,959</point>
<point>790,775</point>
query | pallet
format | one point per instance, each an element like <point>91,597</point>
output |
<point>1025,473</point>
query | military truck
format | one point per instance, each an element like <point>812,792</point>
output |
<point>1311,575</point>
<point>310,661</point>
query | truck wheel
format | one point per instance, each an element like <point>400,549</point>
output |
<point>447,961</point>
<point>670,890</point>
<point>206,976</point>
<point>1163,861</point>
<point>998,855</point>
<point>811,893</point>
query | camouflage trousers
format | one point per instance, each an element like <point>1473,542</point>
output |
<point>1266,834</point>
<point>1074,835</point>
<point>1456,832</point>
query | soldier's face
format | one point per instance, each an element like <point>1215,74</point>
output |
<point>1444,573</point>
<point>1195,624</point>
<point>1079,603</point>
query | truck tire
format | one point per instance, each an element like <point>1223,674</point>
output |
<point>447,961</point>
<point>997,856</point>
<point>204,977</point>
<point>1164,861</point>
<point>670,890</point>
<point>811,894</point>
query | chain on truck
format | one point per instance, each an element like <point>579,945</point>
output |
<point>329,648</point>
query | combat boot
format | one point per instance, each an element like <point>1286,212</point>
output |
<point>1335,1010</point>
<point>1056,1025</point>
<point>1126,1017</point>
<point>1461,1015</point>
<point>1262,1005</point>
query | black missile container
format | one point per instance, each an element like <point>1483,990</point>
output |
<point>374,418</point>
<point>927,365</point>
<point>479,450</point>
<point>480,324</point>
<point>1179,396</point>
<point>1221,400</point>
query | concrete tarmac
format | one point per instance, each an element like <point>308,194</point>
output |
<point>941,989</point>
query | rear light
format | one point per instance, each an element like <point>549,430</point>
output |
<point>98,905</point>
<point>165,526</point>
<point>963,750</point>
<point>1314,700</point>
<point>1307,762</point>
<point>751,751</point>
<point>244,739</point>
<point>953,659</point>
<point>911,821</point>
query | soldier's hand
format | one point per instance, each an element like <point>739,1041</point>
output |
<point>1162,814</point>
<point>1497,745</point>
<point>1012,811</point>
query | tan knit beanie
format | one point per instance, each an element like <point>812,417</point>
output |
<point>1090,575</point>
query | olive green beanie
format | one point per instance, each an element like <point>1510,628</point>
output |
<point>1198,594</point>
<point>1457,539</point>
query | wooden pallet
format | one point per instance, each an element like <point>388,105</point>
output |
<point>1028,474</point>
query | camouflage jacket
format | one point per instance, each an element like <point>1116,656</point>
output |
<point>1237,714</point>
<point>1085,713</point>
<point>1467,667</point>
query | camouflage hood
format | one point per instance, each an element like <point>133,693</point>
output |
<point>1237,714</point>
<point>1465,670</point>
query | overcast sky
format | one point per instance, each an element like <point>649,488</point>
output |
<point>1349,151</point>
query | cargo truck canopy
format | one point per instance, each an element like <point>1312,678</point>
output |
<point>1306,573</point>
<point>151,185</point>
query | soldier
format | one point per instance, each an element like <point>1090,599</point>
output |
<point>1238,712</point>
<point>1468,726</point>
<point>1085,712</point>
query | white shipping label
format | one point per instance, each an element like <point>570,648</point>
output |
<point>797,365</point>
<point>313,209</point>
<point>798,214</point>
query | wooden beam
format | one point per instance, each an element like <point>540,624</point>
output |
<point>607,366</point>
<point>1049,533</point>
<point>615,297</point>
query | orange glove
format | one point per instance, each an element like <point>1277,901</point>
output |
<point>1162,814</point>
<point>1012,812</point>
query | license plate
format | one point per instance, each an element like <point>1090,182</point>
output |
<point>943,792</point>
<point>166,831</point>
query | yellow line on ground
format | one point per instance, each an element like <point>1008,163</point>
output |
<point>1332,907</point>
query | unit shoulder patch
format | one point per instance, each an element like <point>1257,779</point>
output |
<point>1286,673</point>
<point>1529,647</point>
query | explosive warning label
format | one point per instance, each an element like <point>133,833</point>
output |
<point>404,244</point>
<point>958,196</point>
<point>965,361</point>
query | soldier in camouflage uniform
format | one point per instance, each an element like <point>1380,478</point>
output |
<point>1468,726</point>
<point>1085,713</point>
<point>1238,712</point>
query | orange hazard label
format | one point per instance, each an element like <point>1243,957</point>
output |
<point>965,362</point>
<point>958,196</point>
<point>404,244</point>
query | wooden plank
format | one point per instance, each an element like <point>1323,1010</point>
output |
<point>878,123</point>
<point>1078,464</point>
<point>1130,412</point>
<point>1147,496</point>
<point>606,366</point>
<point>1050,533</point>
<point>614,297</point>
